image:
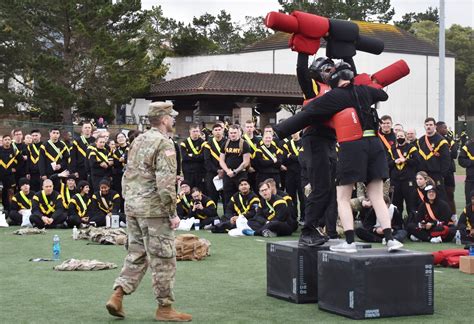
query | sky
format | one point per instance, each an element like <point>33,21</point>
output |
<point>457,11</point>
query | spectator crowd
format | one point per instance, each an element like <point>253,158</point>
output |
<point>62,182</point>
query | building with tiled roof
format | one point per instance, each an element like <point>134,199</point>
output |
<point>210,87</point>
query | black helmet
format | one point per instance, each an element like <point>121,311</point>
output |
<point>320,69</point>
<point>342,71</point>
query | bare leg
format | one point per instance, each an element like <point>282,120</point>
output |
<point>344,194</point>
<point>375,194</point>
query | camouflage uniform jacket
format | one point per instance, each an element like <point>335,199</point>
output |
<point>150,177</point>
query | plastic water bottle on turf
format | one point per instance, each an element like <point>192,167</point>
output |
<point>75,233</point>
<point>457,237</point>
<point>56,248</point>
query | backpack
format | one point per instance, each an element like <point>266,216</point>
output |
<point>191,247</point>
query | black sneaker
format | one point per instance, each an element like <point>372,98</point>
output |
<point>313,239</point>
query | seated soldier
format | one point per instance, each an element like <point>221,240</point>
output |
<point>433,219</point>
<point>47,208</point>
<point>371,230</point>
<point>77,211</point>
<point>466,222</point>
<point>68,189</point>
<point>183,202</point>
<point>202,208</point>
<point>273,218</point>
<point>244,202</point>
<point>21,203</point>
<point>286,197</point>
<point>105,202</point>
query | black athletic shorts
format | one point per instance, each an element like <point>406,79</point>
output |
<point>449,180</point>
<point>362,160</point>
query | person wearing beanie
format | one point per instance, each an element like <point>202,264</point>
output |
<point>433,220</point>
<point>466,222</point>
<point>105,202</point>
<point>79,205</point>
<point>21,203</point>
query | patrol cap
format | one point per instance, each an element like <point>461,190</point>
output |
<point>159,108</point>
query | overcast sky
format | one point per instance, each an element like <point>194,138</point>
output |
<point>457,11</point>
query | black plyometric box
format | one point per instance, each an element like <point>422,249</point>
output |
<point>375,283</point>
<point>292,270</point>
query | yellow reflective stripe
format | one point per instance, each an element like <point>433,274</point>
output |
<point>79,148</point>
<point>116,196</point>
<point>430,155</point>
<point>216,144</point>
<point>250,143</point>
<point>295,149</point>
<point>254,200</point>
<point>25,199</point>
<point>191,145</point>
<point>101,155</point>
<point>469,155</point>
<point>50,208</point>
<point>208,146</point>
<point>279,201</point>
<point>246,209</point>
<point>267,151</point>
<point>83,204</point>
<point>9,163</point>
<point>36,150</point>
<point>270,207</point>
<point>209,203</point>
<point>55,148</point>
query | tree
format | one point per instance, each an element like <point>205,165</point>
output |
<point>365,10</point>
<point>408,19</point>
<point>210,34</point>
<point>460,41</point>
<point>85,55</point>
<point>293,109</point>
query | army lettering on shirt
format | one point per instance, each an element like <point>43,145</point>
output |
<point>234,153</point>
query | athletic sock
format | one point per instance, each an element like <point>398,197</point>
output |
<point>349,236</point>
<point>387,232</point>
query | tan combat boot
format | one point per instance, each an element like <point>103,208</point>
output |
<point>168,314</point>
<point>114,305</point>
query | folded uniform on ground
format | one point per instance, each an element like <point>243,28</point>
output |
<point>29,231</point>
<point>84,265</point>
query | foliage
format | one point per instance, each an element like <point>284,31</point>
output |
<point>460,41</point>
<point>208,34</point>
<point>410,18</point>
<point>82,55</point>
<point>365,10</point>
<point>293,109</point>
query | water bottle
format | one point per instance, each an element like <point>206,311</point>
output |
<point>471,250</point>
<point>56,248</point>
<point>75,233</point>
<point>457,237</point>
<point>108,220</point>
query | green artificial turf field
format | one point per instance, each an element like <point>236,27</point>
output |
<point>229,286</point>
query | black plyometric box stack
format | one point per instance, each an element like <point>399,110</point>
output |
<point>375,283</point>
<point>292,270</point>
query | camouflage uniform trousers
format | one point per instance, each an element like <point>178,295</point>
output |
<point>150,242</point>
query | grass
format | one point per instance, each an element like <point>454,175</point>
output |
<point>229,286</point>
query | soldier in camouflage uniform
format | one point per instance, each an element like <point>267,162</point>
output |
<point>150,206</point>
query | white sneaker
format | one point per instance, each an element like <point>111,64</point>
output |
<point>414,238</point>
<point>344,247</point>
<point>437,239</point>
<point>393,245</point>
<point>268,233</point>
